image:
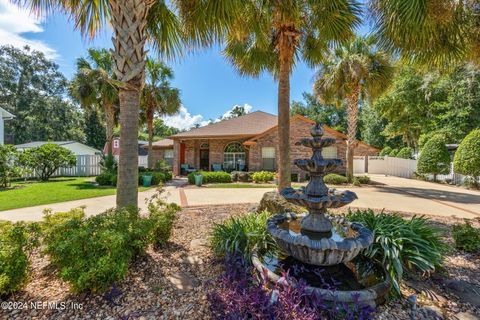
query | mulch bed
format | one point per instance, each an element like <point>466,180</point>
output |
<point>171,283</point>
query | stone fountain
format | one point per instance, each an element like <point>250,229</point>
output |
<point>319,245</point>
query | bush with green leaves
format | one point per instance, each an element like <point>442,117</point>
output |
<point>241,235</point>
<point>92,253</point>
<point>108,163</point>
<point>162,166</point>
<point>46,159</point>
<point>434,158</point>
<point>401,243</point>
<point>466,237</point>
<point>393,153</point>
<point>9,165</point>
<point>333,178</point>
<point>105,178</point>
<point>385,151</point>
<point>405,153</point>
<point>16,243</point>
<point>211,177</point>
<point>162,215</point>
<point>467,156</point>
<point>157,177</point>
<point>263,176</point>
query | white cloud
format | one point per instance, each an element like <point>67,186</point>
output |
<point>15,21</point>
<point>183,120</point>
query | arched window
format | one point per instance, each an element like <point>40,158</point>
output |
<point>234,157</point>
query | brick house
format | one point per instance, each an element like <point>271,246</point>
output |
<point>248,142</point>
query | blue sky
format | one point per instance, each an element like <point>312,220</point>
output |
<point>209,85</point>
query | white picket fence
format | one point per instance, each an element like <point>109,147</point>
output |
<point>87,165</point>
<point>398,167</point>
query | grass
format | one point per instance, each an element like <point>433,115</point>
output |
<point>239,185</point>
<point>34,193</point>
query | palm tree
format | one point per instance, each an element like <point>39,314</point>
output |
<point>432,32</point>
<point>352,72</point>
<point>134,22</point>
<point>94,85</point>
<point>158,97</point>
<point>273,35</point>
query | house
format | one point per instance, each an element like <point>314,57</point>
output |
<point>79,149</point>
<point>250,142</point>
<point>4,115</point>
<point>116,147</point>
<point>162,150</point>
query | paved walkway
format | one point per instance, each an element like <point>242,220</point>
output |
<point>393,194</point>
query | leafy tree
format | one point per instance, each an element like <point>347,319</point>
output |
<point>467,156</point>
<point>9,167</point>
<point>32,88</point>
<point>161,130</point>
<point>434,158</point>
<point>94,85</point>
<point>386,151</point>
<point>405,153</point>
<point>349,73</point>
<point>94,128</point>
<point>331,115</point>
<point>46,159</point>
<point>158,97</point>
<point>274,35</point>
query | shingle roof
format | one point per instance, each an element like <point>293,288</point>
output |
<point>251,124</point>
<point>163,143</point>
<point>34,144</point>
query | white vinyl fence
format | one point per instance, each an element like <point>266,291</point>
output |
<point>87,165</point>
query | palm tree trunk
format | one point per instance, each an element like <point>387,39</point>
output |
<point>110,119</point>
<point>150,139</point>
<point>352,119</point>
<point>129,19</point>
<point>284,164</point>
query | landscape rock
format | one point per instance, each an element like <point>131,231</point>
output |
<point>466,291</point>
<point>274,203</point>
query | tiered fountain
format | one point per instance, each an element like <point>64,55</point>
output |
<point>322,249</point>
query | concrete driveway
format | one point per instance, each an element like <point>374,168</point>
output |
<point>392,193</point>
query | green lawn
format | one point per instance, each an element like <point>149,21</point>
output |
<point>33,193</point>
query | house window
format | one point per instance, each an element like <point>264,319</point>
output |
<point>168,156</point>
<point>115,143</point>
<point>268,158</point>
<point>330,152</point>
<point>234,157</point>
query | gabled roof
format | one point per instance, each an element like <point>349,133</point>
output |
<point>248,125</point>
<point>35,144</point>
<point>164,143</point>
<point>5,114</point>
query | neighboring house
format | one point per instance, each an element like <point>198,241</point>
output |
<point>79,149</point>
<point>116,147</point>
<point>250,142</point>
<point>4,115</point>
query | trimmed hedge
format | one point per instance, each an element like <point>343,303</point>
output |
<point>405,153</point>
<point>385,151</point>
<point>263,176</point>
<point>333,178</point>
<point>434,158</point>
<point>467,157</point>
<point>211,177</point>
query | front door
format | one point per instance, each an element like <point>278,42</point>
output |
<point>204,159</point>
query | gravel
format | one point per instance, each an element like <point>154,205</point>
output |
<point>171,283</point>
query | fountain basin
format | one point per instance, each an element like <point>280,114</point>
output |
<point>344,242</point>
<point>318,166</point>
<point>332,199</point>
<point>358,281</point>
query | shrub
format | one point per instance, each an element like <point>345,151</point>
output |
<point>108,164</point>
<point>333,178</point>
<point>401,243</point>
<point>9,167</point>
<point>114,180</point>
<point>92,253</point>
<point>157,177</point>
<point>242,176</point>
<point>16,242</point>
<point>466,237</point>
<point>263,176</point>
<point>47,159</point>
<point>162,216</point>
<point>385,151</point>
<point>241,235</point>
<point>467,156</point>
<point>162,166</point>
<point>105,178</point>
<point>211,177</point>
<point>356,182</point>
<point>434,158</point>
<point>405,153</point>
<point>168,175</point>
<point>393,153</point>
<point>239,294</point>
<point>363,179</point>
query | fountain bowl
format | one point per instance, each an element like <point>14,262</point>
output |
<point>324,250</point>
<point>358,281</point>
